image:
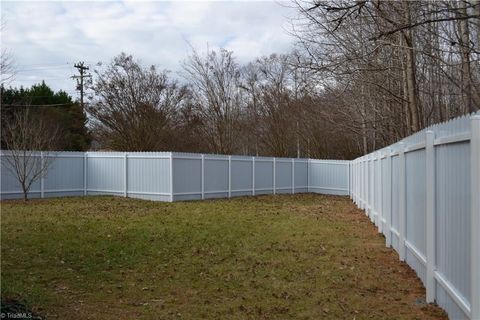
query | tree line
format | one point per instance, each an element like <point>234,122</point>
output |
<point>265,107</point>
<point>361,76</point>
<point>394,66</point>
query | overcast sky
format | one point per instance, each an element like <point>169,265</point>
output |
<point>47,38</point>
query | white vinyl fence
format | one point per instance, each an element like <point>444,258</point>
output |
<point>171,176</point>
<point>423,193</point>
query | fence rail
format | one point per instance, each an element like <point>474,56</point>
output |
<point>423,194</point>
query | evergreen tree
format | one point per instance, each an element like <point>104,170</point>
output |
<point>57,108</point>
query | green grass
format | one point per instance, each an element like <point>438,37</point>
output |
<point>269,257</point>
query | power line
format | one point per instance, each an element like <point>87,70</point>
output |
<point>40,79</point>
<point>49,96</point>
<point>43,68</point>
<point>43,64</point>
<point>53,64</point>
<point>39,105</point>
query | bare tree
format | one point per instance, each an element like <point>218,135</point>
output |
<point>29,141</point>
<point>135,107</point>
<point>7,70</point>
<point>399,66</point>
<point>214,79</point>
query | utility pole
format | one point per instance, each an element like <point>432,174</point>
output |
<point>82,69</point>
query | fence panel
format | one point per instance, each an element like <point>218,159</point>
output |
<point>263,175</point>
<point>242,176</point>
<point>329,177</point>
<point>415,211</point>
<point>65,177</point>
<point>187,177</point>
<point>148,175</point>
<point>106,173</point>
<point>453,217</point>
<point>283,176</point>
<point>301,175</point>
<point>216,177</point>
<point>432,197</point>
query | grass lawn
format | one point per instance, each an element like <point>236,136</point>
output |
<point>268,257</point>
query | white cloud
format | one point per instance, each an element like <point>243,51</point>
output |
<point>46,38</point>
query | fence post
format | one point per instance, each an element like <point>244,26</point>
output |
<point>229,176</point>
<point>475,216</point>
<point>370,188</point>
<point>293,176</point>
<point>352,184</point>
<point>373,184</point>
<point>274,174</point>
<point>402,201</point>
<point>365,201</point>
<point>353,164</point>
<point>171,176</point>
<point>375,189</point>
<point>308,175</point>
<point>203,176</point>
<point>356,181</point>
<point>388,199</point>
<point>363,184</point>
<point>380,211</point>
<point>349,182</point>
<point>253,176</point>
<point>42,177</point>
<point>367,186</point>
<point>125,177</point>
<point>360,182</point>
<point>85,175</point>
<point>430,215</point>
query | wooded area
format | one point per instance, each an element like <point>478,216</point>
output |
<point>361,75</point>
<point>394,67</point>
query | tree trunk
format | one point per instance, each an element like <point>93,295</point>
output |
<point>364,126</point>
<point>25,193</point>
<point>466,67</point>
<point>411,81</point>
<point>406,109</point>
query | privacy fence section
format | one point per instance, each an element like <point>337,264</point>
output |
<point>329,177</point>
<point>65,176</point>
<point>145,175</point>
<point>199,176</point>
<point>423,193</point>
<point>171,176</point>
<point>139,174</point>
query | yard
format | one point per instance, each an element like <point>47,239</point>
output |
<point>302,256</point>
